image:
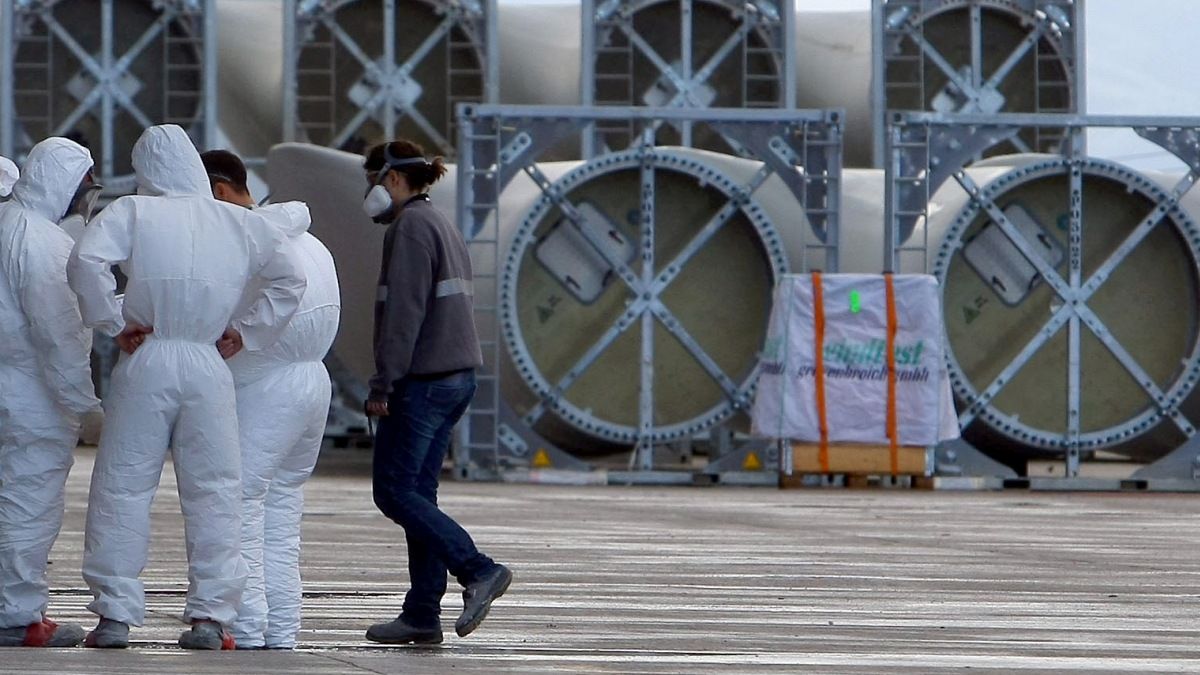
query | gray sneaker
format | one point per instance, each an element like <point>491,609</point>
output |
<point>478,598</point>
<point>108,634</point>
<point>44,633</point>
<point>400,632</point>
<point>206,634</point>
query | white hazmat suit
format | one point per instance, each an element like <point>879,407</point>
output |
<point>283,397</point>
<point>188,259</point>
<point>45,374</point>
<point>8,176</point>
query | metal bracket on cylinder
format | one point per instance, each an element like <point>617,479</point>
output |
<point>750,462</point>
<point>1182,142</point>
<point>810,167</point>
<point>1182,464</point>
<point>960,459</point>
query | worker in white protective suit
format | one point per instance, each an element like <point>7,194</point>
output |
<point>283,395</point>
<point>188,259</point>
<point>45,386</point>
<point>8,177</point>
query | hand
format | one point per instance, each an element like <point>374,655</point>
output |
<point>229,344</point>
<point>377,408</point>
<point>132,337</point>
<point>90,427</point>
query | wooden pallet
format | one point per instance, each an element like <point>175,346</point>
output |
<point>854,459</point>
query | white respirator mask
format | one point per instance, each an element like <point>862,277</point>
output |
<point>378,204</point>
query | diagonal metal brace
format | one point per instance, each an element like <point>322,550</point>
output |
<point>1184,143</point>
<point>773,148</point>
<point>521,148</point>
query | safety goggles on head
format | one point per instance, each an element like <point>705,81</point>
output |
<point>219,178</point>
<point>216,177</point>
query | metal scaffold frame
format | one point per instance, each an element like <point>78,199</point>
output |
<point>386,78</point>
<point>927,150</point>
<point>803,148</point>
<point>971,90</point>
<point>106,73</point>
<point>608,30</point>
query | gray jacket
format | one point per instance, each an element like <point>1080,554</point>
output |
<point>424,323</point>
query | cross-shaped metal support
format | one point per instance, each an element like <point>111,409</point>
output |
<point>612,46</point>
<point>387,90</point>
<point>105,87</point>
<point>1041,71</point>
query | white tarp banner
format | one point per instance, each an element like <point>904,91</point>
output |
<point>854,363</point>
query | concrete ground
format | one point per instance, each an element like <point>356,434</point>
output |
<point>700,580</point>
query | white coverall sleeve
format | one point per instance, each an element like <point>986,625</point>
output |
<point>283,287</point>
<point>105,242</point>
<point>63,344</point>
<point>9,174</point>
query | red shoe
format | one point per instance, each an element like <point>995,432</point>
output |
<point>44,633</point>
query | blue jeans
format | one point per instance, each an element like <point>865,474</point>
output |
<point>409,449</point>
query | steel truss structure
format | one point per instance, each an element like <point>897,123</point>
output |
<point>330,100</point>
<point>802,148</point>
<point>761,37</point>
<point>74,69</point>
<point>926,150</point>
<point>1041,72</point>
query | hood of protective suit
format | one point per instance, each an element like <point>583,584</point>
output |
<point>167,164</point>
<point>52,173</point>
<point>8,176</point>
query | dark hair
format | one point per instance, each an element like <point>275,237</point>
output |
<point>417,175</point>
<point>225,167</point>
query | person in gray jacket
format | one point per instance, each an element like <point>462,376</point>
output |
<point>426,353</point>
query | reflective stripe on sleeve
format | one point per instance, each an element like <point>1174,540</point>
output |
<point>455,286</point>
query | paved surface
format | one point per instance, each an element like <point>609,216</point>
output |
<point>699,580</point>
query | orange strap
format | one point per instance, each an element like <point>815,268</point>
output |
<point>893,436</point>
<point>819,332</point>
